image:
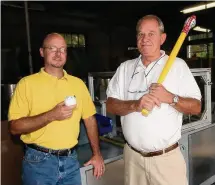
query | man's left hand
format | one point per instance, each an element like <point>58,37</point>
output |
<point>159,91</point>
<point>98,164</point>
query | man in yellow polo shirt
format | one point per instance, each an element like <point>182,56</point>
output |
<point>47,126</point>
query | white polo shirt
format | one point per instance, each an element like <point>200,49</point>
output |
<point>162,127</point>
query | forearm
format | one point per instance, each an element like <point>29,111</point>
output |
<point>92,132</point>
<point>188,106</point>
<point>27,125</point>
<point>120,107</point>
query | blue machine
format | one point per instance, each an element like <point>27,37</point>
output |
<point>105,126</point>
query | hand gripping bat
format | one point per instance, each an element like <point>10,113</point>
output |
<point>189,24</point>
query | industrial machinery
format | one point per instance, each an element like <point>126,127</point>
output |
<point>197,143</point>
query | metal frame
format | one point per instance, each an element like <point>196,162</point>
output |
<point>205,73</point>
<point>186,148</point>
<point>93,75</point>
<point>206,118</point>
<point>84,170</point>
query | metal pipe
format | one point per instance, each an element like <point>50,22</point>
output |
<point>28,37</point>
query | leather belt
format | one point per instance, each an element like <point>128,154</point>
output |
<point>156,153</point>
<point>64,152</point>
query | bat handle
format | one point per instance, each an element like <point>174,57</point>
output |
<point>145,112</point>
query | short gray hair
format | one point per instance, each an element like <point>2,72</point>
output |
<point>148,17</point>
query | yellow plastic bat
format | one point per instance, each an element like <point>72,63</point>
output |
<point>189,24</point>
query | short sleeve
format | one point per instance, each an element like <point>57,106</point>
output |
<point>19,104</point>
<point>116,85</point>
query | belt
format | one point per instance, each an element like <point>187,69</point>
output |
<point>64,152</point>
<point>156,153</point>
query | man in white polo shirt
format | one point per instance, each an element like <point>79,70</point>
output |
<point>152,155</point>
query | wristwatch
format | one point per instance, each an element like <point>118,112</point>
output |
<point>175,100</point>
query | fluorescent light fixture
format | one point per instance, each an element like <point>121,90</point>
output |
<point>198,7</point>
<point>198,28</point>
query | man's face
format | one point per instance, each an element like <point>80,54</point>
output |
<point>149,38</point>
<point>54,52</point>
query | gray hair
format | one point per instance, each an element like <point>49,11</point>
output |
<point>148,17</point>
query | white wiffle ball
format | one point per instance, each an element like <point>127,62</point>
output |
<point>70,100</point>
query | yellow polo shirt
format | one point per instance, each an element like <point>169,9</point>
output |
<point>39,93</point>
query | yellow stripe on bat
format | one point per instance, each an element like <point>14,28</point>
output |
<point>172,57</point>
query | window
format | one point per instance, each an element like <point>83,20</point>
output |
<point>74,40</point>
<point>200,36</point>
<point>200,50</point>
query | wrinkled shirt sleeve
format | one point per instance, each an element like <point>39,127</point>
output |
<point>188,84</point>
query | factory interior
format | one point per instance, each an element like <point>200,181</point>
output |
<point>100,35</point>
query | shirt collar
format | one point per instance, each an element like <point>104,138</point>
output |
<point>43,72</point>
<point>159,61</point>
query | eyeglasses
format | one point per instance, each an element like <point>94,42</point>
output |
<point>54,49</point>
<point>143,82</point>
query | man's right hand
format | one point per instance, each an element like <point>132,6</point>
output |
<point>147,102</point>
<point>61,111</point>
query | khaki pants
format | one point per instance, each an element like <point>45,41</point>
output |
<point>165,169</point>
